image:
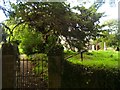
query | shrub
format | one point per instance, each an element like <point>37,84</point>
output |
<point>40,62</point>
<point>80,76</point>
<point>31,43</point>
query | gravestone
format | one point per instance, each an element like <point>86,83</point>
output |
<point>105,48</point>
<point>93,47</point>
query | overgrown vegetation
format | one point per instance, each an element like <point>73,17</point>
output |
<point>98,70</point>
<point>37,27</point>
<point>80,76</point>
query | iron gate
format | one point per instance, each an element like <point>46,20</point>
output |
<point>32,74</point>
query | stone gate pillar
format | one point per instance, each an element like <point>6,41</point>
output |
<point>55,58</point>
<point>8,66</point>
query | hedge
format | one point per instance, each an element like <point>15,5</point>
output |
<point>79,76</point>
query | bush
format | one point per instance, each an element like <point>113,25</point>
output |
<point>31,42</point>
<point>80,76</point>
<point>56,50</point>
<point>40,62</point>
<point>36,56</point>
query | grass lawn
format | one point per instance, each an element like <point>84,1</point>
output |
<point>108,59</point>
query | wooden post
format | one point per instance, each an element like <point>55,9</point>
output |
<point>96,46</point>
<point>55,58</point>
<point>81,55</point>
<point>8,66</point>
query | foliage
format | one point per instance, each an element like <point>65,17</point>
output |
<point>40,61</point>
<point>56,50</point>
<point>109,33</point>
<point>112,25</point>
<point>38,56</point>
<point>31,43</point>
<point>54,19</point>
<point>80,76</point>
<point>68,53</point>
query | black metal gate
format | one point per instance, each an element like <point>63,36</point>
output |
<point>32,74</point>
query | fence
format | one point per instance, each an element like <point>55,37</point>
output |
<point>32,74</point>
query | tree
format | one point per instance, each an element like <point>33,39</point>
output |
<point>52,20</point>
<point>111,33</point>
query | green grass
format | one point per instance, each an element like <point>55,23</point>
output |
<point>108,59</point>
<point>69,53</point>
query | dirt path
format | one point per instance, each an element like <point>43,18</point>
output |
<point>25,67</point>
<point>28,79</point>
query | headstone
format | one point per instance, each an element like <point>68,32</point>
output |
<point>105,46</point>
<point>93,47</point>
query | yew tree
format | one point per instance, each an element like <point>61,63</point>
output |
<point>55,20</point>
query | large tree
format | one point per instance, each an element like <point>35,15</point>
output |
<point>55,20</point>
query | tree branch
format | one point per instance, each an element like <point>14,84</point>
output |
<point>5,26</point>
<point>18,25</point>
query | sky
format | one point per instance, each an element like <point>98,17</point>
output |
<point>2,16</point>
<point>111,12</point>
